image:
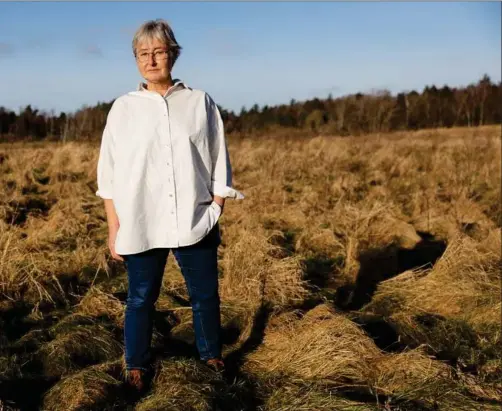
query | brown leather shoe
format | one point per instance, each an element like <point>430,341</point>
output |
<point>135,379</point>
<point>216,364</point>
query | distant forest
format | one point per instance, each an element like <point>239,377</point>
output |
<point>355,114</point>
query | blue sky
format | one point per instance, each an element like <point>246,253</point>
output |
<point>63,55</point>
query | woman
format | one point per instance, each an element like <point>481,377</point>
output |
<point>164,174</point>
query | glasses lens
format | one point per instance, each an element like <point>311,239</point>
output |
<point>160,55</point>
<point>157,55</point>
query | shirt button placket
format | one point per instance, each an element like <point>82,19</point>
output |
<point>173,221</point>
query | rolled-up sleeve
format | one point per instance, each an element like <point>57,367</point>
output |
<point>221,176</point>
<point>106,160</point>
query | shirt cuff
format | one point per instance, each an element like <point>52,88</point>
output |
<point>104,194</point>
<point>222,190</point>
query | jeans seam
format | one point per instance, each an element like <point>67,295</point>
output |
<point>204,334</point>
<point>198,314</point>
<point>125,340</point>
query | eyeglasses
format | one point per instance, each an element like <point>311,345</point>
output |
<point>159,55</point>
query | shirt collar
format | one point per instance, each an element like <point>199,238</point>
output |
<point>177,83</point>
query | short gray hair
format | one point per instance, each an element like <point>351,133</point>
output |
<point>160,30</point>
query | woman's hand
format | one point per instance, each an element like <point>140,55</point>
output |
<point>112,235</point>
<point>220,201</point>
<point>113,228</point>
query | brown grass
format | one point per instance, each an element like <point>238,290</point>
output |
<point>87,389</point>
<point>322,345</point>
<point>462,283</point>
<point>291,397</point>
<point>180,385</point>
<point>402,228</point>
<point>253,275</point>
<point>75,346</point>
<point>97,303</point>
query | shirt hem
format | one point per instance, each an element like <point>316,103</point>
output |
<point>165,246</point>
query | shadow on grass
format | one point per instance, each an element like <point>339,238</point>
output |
<point>377,265</point>
<point>384,334</point>
<point>18,211</point>
<point>234,361</point>
<point>25,393</point>
<point>237,390</point>
<point>321,271</point>
<point>236,358</point>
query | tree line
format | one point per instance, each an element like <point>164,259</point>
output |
<point>380,111</point>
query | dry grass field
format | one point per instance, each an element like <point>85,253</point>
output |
<point>360,273</point>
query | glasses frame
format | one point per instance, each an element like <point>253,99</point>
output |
<point>158,55</point>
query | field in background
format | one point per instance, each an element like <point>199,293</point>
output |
<point>358,274</point>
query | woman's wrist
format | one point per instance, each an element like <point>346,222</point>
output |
<point>219,200</point>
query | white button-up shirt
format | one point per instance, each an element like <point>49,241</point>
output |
<point>161,160</point>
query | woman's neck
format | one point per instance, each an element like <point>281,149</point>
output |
<point>160,87</point>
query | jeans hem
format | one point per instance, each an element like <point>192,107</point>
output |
<point>210,357</point>
<point>132,367</point>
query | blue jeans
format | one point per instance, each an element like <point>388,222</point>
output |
<point>198,264</point>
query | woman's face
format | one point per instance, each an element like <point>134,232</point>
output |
<point>154,68</point>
